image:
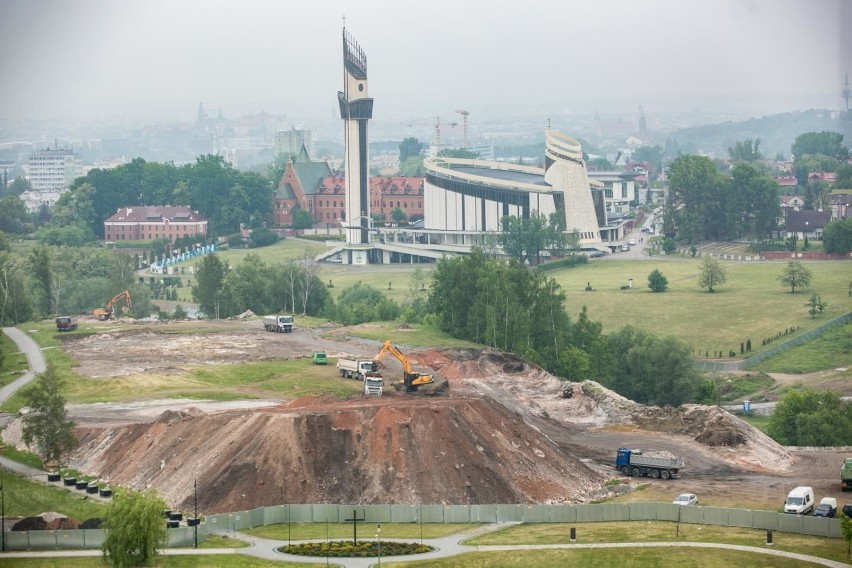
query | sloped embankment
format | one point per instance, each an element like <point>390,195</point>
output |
<point>393,450</point>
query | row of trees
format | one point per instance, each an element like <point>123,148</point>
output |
<point>223,195</point>
<point>512,308</point>
<point>72,280</point>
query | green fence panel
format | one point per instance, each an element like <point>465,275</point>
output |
<point>537,514</point>
<point>432,513</point>
<point>242,520</point>
<point>510,513</point>
<point>667,511</point>
<point>181,536</point>
<point>18,540</point>
<point>563,514</point>
<point>713,515</point>
<point>321,513</point>
<point>256,517</point>
<point>740,518</point>
<point>818,526</point>
<point>790,523</point>
<point>377,514</point>
<point>457,514</point>
<point>42,540</point>
<point>615,512</point>
<point>274,515</point>
<point>218,523</point>
<point>642,511</point>
<point>483,514</point>
<point>404,514</point>
<point>346,511</point>
<point>589,513</point>
<point>690,514</point>
<point>766,520</point>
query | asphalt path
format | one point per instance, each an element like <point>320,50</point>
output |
<point>36,363</point>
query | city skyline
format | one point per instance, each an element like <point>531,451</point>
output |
<point>157,59</point>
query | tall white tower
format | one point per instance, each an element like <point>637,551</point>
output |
<point>356,108</point>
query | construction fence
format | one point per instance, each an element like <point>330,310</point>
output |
<point>384,514</point>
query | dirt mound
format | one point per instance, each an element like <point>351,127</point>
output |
<point>390,450</point>
<point>30,524</point>
<point>93,523</point>
<point>63,524</point>
<point>535,393</point>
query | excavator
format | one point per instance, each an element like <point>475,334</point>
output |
<point>106,312</point>
<point>412,380</point>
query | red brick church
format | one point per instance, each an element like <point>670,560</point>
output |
<point>314,187</point>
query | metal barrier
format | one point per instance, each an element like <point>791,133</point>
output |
<point>602,512</point>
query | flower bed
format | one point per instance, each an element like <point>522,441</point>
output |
<point>345,548</point>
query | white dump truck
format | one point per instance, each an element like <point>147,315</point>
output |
<point>278,324</point>
<point>357,369</point>
<point>373,385</point>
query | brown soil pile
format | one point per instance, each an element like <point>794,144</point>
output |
<point>400,449</point>
<point>528,389</point>
<point>63,524</point>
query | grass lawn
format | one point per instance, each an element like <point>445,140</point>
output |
<point>660,531</point>
<point>830,350</point>
<point>750,305</point>
<point>337,531</point>
<point>199,561</point>
<point>26,458</point>
<point>25,498</point>
<point>405,335</point>
<point>14,362</point>
<point>758,421</point>
<point>607,558</point>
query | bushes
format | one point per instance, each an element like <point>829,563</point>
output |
<point>345,549</point>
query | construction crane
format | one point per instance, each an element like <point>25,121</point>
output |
<point>411,380</point>
<point>106,312</point>
<point>438,132</point>
<point>464,114</point>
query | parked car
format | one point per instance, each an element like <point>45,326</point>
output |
<point>800,501</point>
<point>631,242</point>
<point>847,510</point>
<point>597,254</point>
<point>625,248</point>
<point>686,499</point>
<point>827,507</point>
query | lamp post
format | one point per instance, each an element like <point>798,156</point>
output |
<point>379,540</point>
<point>195,503</point>
<point>3,516</point>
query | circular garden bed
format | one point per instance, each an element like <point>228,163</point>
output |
<point>345,549</point>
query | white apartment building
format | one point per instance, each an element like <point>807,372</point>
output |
<point>51,169</point>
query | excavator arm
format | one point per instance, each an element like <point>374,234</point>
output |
<point>106,312</point>
<point>411,378</point>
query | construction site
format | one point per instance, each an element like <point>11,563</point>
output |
<point>499,430</point>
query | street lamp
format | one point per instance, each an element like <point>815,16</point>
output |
<point>3,516</point>
<point>379,540</point>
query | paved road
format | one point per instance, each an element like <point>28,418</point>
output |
<point>36,362</point>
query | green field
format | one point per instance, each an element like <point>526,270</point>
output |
<point>14,362</point>
<point>199,561</point>
<point>830,350</point>
<point>25,498</point>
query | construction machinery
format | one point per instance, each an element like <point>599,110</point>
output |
<point>106,312</point>
<point>411,380</point>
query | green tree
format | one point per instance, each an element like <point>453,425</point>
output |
<point>669,245</point>
<point>816,305</point>
<point>209,280</point>
<point>13,215</point>
<point>261,237</point>
<point>657,282</point>
<point>458,153</point>
<point>179,313</point>
<point>18,185</point>
<point>837,237</point>
<point>398,216</point>
<point>46,427</point>
<point>410,148</point>
<point>653,155</point>
<point>41,267</point>
<point>696,184</point>
<point>526,238</point>
<point>846,530</point>
<point>135,529</point>
<point>361,303</point>
<point>824,143</point>
<point>302,219</point>
<point>807,417</point>
<point>747,150</point>
<point>795,275</point>
<point>844,177</point>
<point>15,294</point>
<point>412,167</point>
<point>711,273</point>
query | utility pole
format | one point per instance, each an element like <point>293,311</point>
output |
<point>846,92</point>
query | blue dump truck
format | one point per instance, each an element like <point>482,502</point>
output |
<point>637,464</point>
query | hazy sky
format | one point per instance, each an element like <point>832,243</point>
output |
<point>160,58</point>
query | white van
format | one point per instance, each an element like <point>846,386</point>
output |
<point>800,501</point>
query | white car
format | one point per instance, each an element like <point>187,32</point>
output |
<point>686,499</point>
<point>631,242</point>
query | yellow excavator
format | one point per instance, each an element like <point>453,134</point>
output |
<point>106,312</point>
<point>411,380</point>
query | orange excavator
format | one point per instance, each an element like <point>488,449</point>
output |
<point>106,312</point>
<point>411,380</point>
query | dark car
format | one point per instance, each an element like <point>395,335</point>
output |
<point>847,510</point>
<point>827,508</point>
<point>597,254</point>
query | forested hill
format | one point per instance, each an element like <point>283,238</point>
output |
<point>776,132</point>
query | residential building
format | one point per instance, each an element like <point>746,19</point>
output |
<point>810,224</point>
<point>620,189</point>
<point>795,202</point>
<point>51,169</point>
<point>150,223</point>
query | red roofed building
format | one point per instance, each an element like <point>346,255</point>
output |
<point>150,223</point>
<point>312,186</point>
<point>787,181</point>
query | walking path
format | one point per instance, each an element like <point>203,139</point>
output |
<point>36,361</point>
<point>444,547</point>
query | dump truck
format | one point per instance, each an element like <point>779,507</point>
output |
<point>846,475</point>
<point>374,385</point>
<point>66,323</point>
<point>358,369</point>
<point>637,464</point>
<point>278,324</point>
